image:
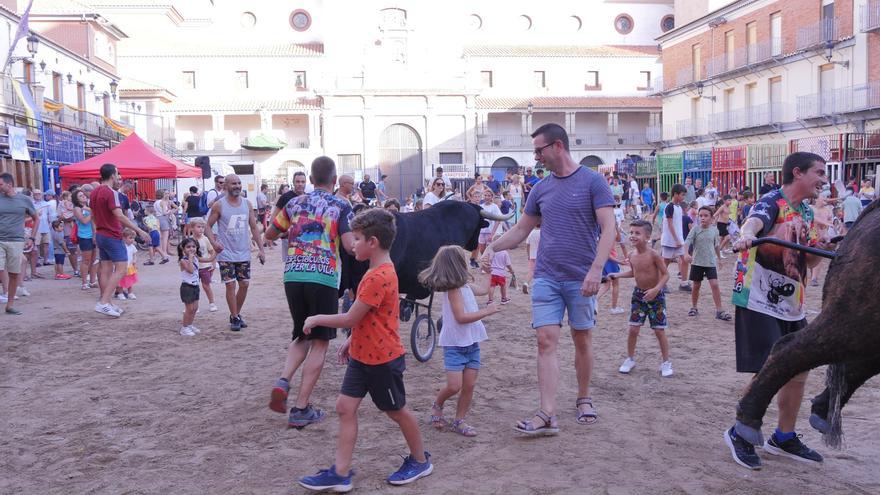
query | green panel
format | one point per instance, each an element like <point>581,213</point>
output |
<point>669,163</point>
<point>647,168</point>
<point>668,180</point>
<point>766,156</point>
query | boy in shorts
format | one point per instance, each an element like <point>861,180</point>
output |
<point>375,358</point>
<point>152,226</point>
<point>705,240</point>
<point>673,235</point>
<point>648,300</point>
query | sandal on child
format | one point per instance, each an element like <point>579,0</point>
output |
<point>722,315</point>
<point>589,416</point>
<point>693,312</point>
<point>548,425</point>
<point>437,420</point>
<point>462,428</point>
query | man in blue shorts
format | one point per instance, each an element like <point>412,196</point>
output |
<point>573,205</point>
<point>108,221</point>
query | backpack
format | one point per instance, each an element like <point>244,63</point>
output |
<point>203,203</point>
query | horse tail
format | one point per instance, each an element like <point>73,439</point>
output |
<point>836,383</point>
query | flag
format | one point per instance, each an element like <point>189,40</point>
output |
<point>19,34</point>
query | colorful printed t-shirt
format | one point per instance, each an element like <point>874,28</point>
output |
<point>374,340</point>
<point>314,223</point>
<point>770,279</point>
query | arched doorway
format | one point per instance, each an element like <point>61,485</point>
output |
<point>284,175</point>
<point>592,161</point>
<point>502,165</point>
<point>400,158</point>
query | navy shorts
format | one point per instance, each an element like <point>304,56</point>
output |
<point>384,382</point>
<point>85,244</point>
<point>154,238</point>
<point>110,249</point>
<point>59,259</point>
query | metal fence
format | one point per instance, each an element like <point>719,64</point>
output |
<point>815,35</point>
<point>869,18</point>
<point>841,100</point>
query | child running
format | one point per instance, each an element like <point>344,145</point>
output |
<point>188,252</point>
<point>127,282</point>
<point>648,300</point>
<point>462,333</point>
<point>500,267</point>
<point>375,358</point>
<point>705,240</point>
<point>206,260</point>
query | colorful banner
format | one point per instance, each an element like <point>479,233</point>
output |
<point>18,147</point>
<point>51,106</point>
<point>20,33</point>
<point>27,101</point>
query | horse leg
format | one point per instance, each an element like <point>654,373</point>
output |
<point>793,354</point>
<point>842,380</point>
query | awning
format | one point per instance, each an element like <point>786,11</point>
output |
<point>263,142</point>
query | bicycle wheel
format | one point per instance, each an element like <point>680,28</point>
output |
<point>423,338</point>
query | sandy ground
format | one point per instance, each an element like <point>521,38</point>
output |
<point>95,405</point>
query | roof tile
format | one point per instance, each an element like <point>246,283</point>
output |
<point>561,51</point>
<point>242,105</point>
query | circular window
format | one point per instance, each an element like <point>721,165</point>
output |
<point>667,23</point>
<point>525,22</point>
<point>624,24</point>
<point>248,20</point>
<point>300,20</point>
<point>475,22</point>
<point>576,23</point>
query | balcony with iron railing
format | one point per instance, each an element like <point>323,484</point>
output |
<point>817,34</point>
<point>629,139</point>
<point>869,20</point>
<point>500,141</point>
<point>747,118</point>
<point>688,128</point>
<point>594,139</point>
<point>839,101</point>
<point>744,56</point>
<point>684,76</point>
<point>654,133</point>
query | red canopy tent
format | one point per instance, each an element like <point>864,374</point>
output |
<point>135,159</point>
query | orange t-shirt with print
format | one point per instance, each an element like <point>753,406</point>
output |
<point>374,340</point>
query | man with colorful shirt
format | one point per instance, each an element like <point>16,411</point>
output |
<point>769,295</point>
<point>315,224</point>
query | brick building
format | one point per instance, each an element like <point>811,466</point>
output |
<point>795,74</point>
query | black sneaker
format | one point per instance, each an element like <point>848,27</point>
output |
<point>234,323</point>
<point>792,448</point>
<point>474,263</point>
<point>241,321</point>
<point>743,452</point>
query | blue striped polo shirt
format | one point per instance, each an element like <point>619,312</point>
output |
<point>569,228</point>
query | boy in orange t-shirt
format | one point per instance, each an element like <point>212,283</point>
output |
<point>374,355</point>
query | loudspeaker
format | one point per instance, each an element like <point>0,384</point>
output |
<point>204,163</point>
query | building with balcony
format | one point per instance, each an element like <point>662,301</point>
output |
<point>398,88</point>
<point>63,93</point>
<point>770,71</point>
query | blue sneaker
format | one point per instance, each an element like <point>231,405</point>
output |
<point>300,418</point>
<point>328,480</point>
<point>411,470</point>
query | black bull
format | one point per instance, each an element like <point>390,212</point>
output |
<point>845,335</point>
<point>419,236</point>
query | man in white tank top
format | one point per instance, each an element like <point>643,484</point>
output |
<point>236,227</point>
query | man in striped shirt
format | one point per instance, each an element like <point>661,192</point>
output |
<point>574,205</point>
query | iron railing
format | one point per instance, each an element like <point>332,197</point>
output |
<point>839,101</point>
<point>690,127</point>
<point>746,118</point>
<point>684,76</point>
<point>870,16</point>
<point>654,133</point>
<point>629,139</point>
<point>817,34</point>
<point>588,139</point>
<point>741,57</point>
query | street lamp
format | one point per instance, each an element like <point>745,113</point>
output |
<point>700,92</point>
<point>113,86</point>
<point>43,65</point>
<point>69,78</point>
<point>33,43</point>
<point>829,53</point>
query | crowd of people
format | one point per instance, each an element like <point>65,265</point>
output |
<point>583,232</point>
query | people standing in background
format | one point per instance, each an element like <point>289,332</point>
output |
<point>493,184</point>
<point>85,240</point>
<point>516,195</point>
<point>866,193</point>
<point>381,195</point>
<point>165,211</point>
<point>690,192</point>
<point>15,208</point>
<point>218,191</point>
<point>368,189</point>
<point>769,184</point>
<point>447,184</point>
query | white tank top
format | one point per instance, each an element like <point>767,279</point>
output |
<point>669,239</point>
<point>190,278</point>
<point>455,334</point>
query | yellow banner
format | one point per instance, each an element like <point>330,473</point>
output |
<point>52,106</point>
<point>120,128</point>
